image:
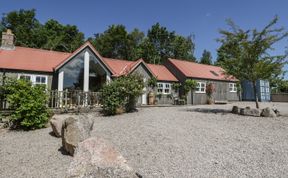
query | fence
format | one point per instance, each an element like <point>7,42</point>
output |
<point>279,97</point>
<point>73,99</point>
<point>67,100</point>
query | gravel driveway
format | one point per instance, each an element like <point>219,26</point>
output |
<point>188,141</point>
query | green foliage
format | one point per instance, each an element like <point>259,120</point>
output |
<point>116,42</point>
<point>206,58</point>
<point>245,53</point>
<point>152,82</point>
<point>176,86</point>
<point>189,85</point>
<point>28,102</point>
<point>30,32</point>
<point>161,44</point>
<point>121,93</point>
<point>283,87</point>
<point>156,47</point>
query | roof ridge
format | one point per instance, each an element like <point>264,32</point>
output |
<point>182,60</point>
<point>40,49</point>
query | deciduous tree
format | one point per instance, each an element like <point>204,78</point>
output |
<point>245,54</point>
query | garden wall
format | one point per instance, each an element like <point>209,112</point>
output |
<point>279,97</point>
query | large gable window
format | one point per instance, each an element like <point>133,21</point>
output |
<point>164,88</point>
<point>201,87</point>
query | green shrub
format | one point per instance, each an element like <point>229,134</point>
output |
<point>152,82</point>
<point>28,102</point>
<point>121,93</point>
<point>189,85</point>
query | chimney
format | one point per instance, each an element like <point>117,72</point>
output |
<point>7,40</point>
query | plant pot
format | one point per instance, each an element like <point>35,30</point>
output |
<point>151,98</point>
<point>210,101</point>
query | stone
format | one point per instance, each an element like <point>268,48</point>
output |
<point>268,112</point>
<point>56,124</point>
<point>75,130</point>
<point>250,112</point>
<point>96,157</point>
<point>277,112</point>
<point>2,125</point>
<point>235,110</point>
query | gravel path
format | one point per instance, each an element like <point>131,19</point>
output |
<point>188,141</point>
<point>33,154</point>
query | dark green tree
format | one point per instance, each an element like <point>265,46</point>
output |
<point>112,42</point>
<point>60,37</point>
<point>29,32</point>
<point>206,58</point>
<point>162,44</point>
<point>245,53</point>
<point>24,25</point>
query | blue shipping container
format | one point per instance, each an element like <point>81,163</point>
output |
<point>262,88</point>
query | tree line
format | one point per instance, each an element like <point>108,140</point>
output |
<point>116,42</point>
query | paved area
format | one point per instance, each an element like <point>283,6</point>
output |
<point>187,141</point>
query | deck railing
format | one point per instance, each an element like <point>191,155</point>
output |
<point>66,100</point>
<point>73,99</point>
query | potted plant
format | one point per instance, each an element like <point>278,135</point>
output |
<point>189,85</point>
<point>152,83</point>
<point>210,90</point>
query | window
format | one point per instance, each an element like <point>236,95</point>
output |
<point>164,88</point>
<point>40,79</point>
<point>201,87</point>
<point>25,77</point>
<point>232,87</point>
<point>160,88</point>
<point>34,79</point>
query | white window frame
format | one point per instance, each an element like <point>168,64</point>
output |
<point>200,88</point>
<point>33,78</point>
<point>163,86</point>
<point>232,86</point>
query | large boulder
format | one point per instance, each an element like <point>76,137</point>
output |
<point>250,112</point>
<point>75,130</point>
<point>235,110</point>
<point>56,124</point>
<point>95,157</point>
<point>268,112</point>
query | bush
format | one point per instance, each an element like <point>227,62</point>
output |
<point>121,93</point>
<point>28,102</point>
<point>189,85</point>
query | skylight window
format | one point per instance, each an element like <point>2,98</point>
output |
<point>214,73</point>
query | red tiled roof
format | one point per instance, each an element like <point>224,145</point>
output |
<point>195,70</point>
<point>117,66</point>
<point>162,73</point>
<point>31,59</point>
<point>122,67</point>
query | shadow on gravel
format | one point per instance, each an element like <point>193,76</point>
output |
<point>63,151</point>
<point>209,110</point>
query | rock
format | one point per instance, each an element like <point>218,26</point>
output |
<point>75,130</point>
<point>276,111</point>
<point>235,110</point>
<point>56,125</point>
<point>2,125</point>
<point>95,157</point>
<point>250,112</point>
<point>268,112</point>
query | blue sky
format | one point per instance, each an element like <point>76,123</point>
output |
<point>203,18</point>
